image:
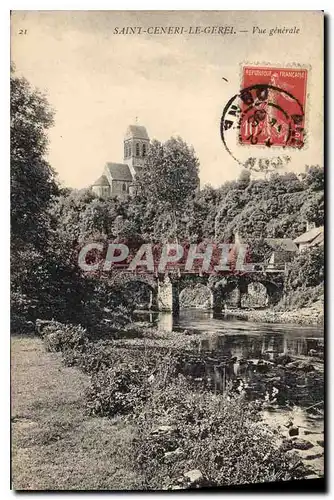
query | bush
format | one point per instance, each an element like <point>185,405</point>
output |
<point>179,430</point>
<point>46,326</point>
<point>64,337</point>
<point>20,307</point>
<point>126,383</point>
<point>117,390</point>
<point>302,297</point>
<point>96,356</point>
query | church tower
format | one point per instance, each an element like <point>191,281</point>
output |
<point>136,144</point>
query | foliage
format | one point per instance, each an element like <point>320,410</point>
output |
<point>314,177</point>
<point>60,338</point>
<point>82,215</point>
<point>258,250</point>
<point>302,297</point>
<point>99,355</point>
<point>180,429</point>
<point>269,208</point>
<point>20,306</point>
<point>124,383</point>
<point>32,179</point>
<point>44,327</point>
<point>170,174</point>
<point>277,207</point>
<point>33,185</point>
<point>167,185</point>
<point>307,269</point>
<point>45,279</point>
<point>313,210</point>
<point>115,391</point>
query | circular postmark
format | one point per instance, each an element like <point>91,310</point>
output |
<point>262,116</point>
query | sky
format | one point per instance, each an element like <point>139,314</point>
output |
<point>99,82</point>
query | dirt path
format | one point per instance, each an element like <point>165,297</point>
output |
<point>55,446</point>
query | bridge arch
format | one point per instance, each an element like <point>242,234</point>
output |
<point>275,290</point>
<point>144,291</point>
<point>196,295</point>
<point>237,289</point>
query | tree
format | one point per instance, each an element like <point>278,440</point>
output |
<point>307,269</point>
<point>314,177</point>
<point>171,172</point>
<point>258,250</point>
<point>33,181</point>
<point>169,178</point>
<point>33,185</point>
<point>313,209</point>
<point>244,179</point>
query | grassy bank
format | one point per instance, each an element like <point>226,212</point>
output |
<point>55,444</point>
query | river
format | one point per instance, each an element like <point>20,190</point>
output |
<point>240,337</point>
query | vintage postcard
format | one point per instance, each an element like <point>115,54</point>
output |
<point>167,250</point>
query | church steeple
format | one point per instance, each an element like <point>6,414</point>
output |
<point>136,144</point>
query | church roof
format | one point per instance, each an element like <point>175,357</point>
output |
<point>136,132</point>
<point>101,181</point>
<point>119,171</point>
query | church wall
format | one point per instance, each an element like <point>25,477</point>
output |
<point>118,188</point>
<point>101,191</point>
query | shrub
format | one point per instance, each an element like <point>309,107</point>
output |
<point>96,356</point>
<point>302,297</point>
<point>116,391</point>
<point>64,337</point>
<point>46,326</point>
<point>179,429</point>
<point>126,383</point>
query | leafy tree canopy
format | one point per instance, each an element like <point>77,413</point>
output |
<point>33,181</point>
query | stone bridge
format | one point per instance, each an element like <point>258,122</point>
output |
<point>166,289</point>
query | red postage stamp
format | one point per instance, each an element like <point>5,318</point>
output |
<point>273,106</point>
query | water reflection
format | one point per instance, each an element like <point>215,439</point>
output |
<point>241,338</point>
<point>250,357</point>
<point>268,346</point>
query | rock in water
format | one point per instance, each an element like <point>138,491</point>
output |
<point>293,431</point>
<point>301,444</point>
